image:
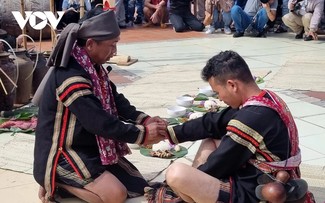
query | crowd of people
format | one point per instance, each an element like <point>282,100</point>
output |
<point>84,125</point>
<point>238,17</point>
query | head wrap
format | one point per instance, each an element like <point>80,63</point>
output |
<point>99,27</point>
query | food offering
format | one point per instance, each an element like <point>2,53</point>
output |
<point>200,105</point>
<point>164,150</point>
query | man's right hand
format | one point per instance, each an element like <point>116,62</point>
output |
<point>155,132</point>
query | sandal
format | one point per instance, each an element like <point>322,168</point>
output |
<point>162,194</point>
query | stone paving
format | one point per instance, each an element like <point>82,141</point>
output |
<point>171,67</point>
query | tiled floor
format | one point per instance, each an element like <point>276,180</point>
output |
<point>169,65</point>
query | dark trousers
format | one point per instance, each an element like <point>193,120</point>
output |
<point>184,21</point>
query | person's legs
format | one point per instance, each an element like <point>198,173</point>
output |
<point>120,13</point>
<point>206,148</point>
<point>139,5</point>
<point>306,22</point>
<point>226,18</point>
<point>147,13</point>
<point>294,22</point>
<point>201,10</point>
<point>177,22</point>
<point>214,23</point>
<point>240,18</point>
<point>200,187</point>
<point>241,3</point>
<point>108,188</point>
<point>261,20</point>
<point>131,10</point>
<point>192,22</point>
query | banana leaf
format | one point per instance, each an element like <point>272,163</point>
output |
<point>201,97</point>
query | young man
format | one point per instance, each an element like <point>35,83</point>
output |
<point>84,123</point>
<point>256,128</point>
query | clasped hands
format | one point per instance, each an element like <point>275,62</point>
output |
<point>156,128</point>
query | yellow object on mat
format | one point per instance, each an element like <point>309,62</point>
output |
<point>122,60</point>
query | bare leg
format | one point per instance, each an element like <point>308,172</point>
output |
<point>206,148</point>
<point>191,184</point>
<point>108,188</point>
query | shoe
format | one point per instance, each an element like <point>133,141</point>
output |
<point>280,29</point>
<point>300,35</point>
<point>137,21</point>
<point>227,30</point>
<point>238,34</point>
<point>308,38</point>
<point>210,30</point>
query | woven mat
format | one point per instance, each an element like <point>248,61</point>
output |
<point>17,152</point>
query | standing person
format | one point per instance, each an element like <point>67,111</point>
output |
<point>155,12</point>
<point>84,123</point>
<point>181,17</point>
<point>256,12</point>
<point>306,19</point>
<point>255,134</point>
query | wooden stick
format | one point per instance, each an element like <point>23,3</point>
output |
<point>52,31</point>
<point>22,11</point>
<point>40,41</point>
<point>12,82</point>
<point>82,8</point>
<point>3,86</point>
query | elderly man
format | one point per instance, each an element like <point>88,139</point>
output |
<point>255,135</point>
<point>84,123</point>
<point>304,17</point>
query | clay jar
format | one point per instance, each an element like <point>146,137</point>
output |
<point>40,70</point>
<point>7,65</point>
<point>25,76</point>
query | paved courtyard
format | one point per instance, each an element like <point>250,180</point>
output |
<point>169,65</point>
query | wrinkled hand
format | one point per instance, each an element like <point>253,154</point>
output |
<point>156,119</point>
<point>156,132</point>
<point>313,34</point>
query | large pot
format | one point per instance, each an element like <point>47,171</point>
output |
<point>40,69</point>
<point>9,23</point>
<point>7,96</point>
<point>25,77</point>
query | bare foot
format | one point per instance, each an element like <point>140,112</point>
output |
<point>148,24</point>
<point>41,194</point>
<point>163,25</point>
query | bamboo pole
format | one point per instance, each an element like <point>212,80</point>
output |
<point>82,8</point>
<point>52,3</point>
<point>22,11</point>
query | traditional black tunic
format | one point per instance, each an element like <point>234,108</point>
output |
<point>255,132</point>
<point>70,116</point>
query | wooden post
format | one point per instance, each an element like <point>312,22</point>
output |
<point>82,8</point>
<point>52,31</point>
<point>22,11</point>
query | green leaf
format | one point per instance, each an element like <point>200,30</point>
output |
<point>199,109</point>
<point>201,97</point>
